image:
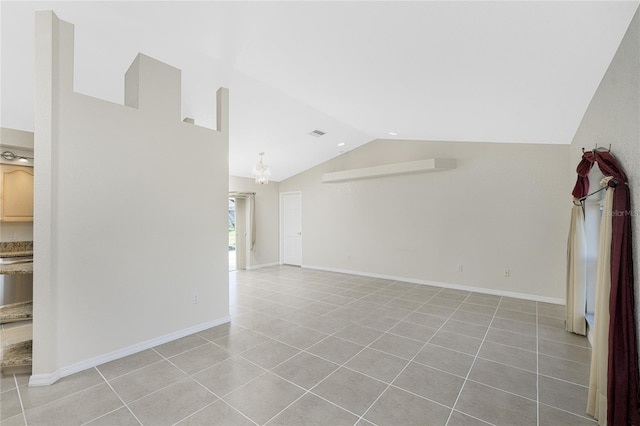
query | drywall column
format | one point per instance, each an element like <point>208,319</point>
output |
<point>48,38</point>
<point>127,233</point>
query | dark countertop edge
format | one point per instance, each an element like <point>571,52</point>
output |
<point>16,254</point>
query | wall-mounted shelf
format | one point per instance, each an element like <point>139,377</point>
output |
<point>409,167</point>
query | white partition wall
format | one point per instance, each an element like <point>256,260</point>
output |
<point>128,226</point>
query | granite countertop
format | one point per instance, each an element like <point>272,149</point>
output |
<point>16,312</point>
<point>16,249</point>
<point>17,268</point>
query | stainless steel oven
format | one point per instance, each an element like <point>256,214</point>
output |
<point>15,288</point>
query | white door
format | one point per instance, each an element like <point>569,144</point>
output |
<point>291,228</point>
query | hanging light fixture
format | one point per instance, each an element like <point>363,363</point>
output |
<point>261,171</point>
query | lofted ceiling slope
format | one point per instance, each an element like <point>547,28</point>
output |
<point>505,71</point>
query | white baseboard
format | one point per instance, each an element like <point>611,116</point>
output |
<point>515,295</point>
<point>264,265</point>
<point>49,379</point>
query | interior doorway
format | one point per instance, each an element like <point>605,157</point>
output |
<point>291,228</point>
<point>239,229</point>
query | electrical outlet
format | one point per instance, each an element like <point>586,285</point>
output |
<point>506,273</point>
<point>460,267</point>
<point>196,298</point>
<point>13,236</point>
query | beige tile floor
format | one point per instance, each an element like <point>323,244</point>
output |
<point>317,348</point>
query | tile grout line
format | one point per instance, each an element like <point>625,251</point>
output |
<point>473,363</point>
<point>119,397</point>
<point>416,354</point>
<point>23,411</point>
<point>343,365</point>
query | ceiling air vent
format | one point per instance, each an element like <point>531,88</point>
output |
<point>317,133</point>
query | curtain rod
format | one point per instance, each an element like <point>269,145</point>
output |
<point>596,148</point>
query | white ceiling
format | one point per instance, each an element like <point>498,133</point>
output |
<point>505,71</point>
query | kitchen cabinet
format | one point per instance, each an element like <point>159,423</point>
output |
<point>17,193</point>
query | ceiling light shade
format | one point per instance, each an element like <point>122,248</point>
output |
<point>261,171</point>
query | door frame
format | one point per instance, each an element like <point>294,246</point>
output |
<point>281,221</point>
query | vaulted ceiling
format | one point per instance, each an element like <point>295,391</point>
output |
<point>505,71</point>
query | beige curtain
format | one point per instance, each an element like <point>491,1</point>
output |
<point>597,400</point>
<point>252,219</point>
<point>576,272</point>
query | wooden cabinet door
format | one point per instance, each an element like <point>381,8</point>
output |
<point>17,193</point>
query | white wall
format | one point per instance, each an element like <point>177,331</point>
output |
<point>125,230</point>
<point>266,250</point>
<point>504,206</point>
<point>613,118</point>
<point>20,143</point>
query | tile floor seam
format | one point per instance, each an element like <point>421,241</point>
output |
<point>119,397</point>
<point>63,397</point>
<point>343,365</point>
<point>132,371</point>
<point>453,408</point>
<point>23,411</point>
<point>415,355</point>
<point>564,380</point>
<point>582,416</point>
<point>210,404</point>
<point>565,343</point>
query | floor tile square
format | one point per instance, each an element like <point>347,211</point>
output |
<point>550,416</point>
<point>119,417</point>
<point>350,390</point>
<point>508,379</point>
<point>228,375</point>
<point>218,413</point>
<point>397,407</point>
<point>335,349</point>
<point>397,345</point>
<point>376,364</point>
<point>263,397</point>
<point>172,403</point>
<point>456,342</point>
<point>426,320</point>
<point>142,382</point>
<point>76,408</point>
<point>359,334</point>
<point>563,369</point>
<point>269,354</point>
<point>240,342</point>
<point>453,362</point>
<point>495,406</point>
<point>219,331</point>
<point>508,355</point>
<point>509,338</point>
<point>562,350</point>
<point>413,331</point>
<point>10,403</point>
<point>563,395</point>
<point>128,364</point>
<point>178,346</point>
<point>465,328</point>
<point>36,396</point>
<point>313,411</point>
<point>199,358</point>
<point>305,370</point>
<point>461,419</point>
<point>430,383</point>
<point>301,337</point>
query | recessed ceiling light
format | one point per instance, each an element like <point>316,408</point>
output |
<point>393,133</point>
<point>341,144</point>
